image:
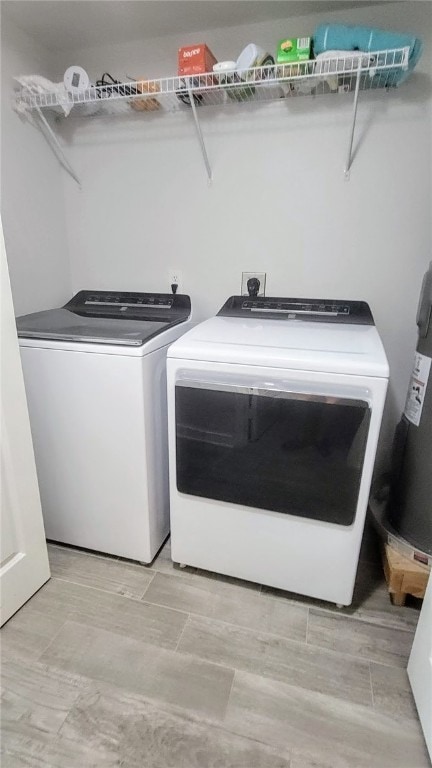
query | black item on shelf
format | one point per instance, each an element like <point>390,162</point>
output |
<point>107,85</point>
<point>183,94</point>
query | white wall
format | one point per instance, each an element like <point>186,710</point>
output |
<point>278,202</point>
<point>31,190</point>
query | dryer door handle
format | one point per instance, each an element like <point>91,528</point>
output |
<point>275,393</point>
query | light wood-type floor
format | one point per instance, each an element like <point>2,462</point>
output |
<point>115,664</point>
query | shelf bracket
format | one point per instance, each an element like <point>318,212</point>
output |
<point>349,157</point>
<point>57,148</point>
<point>199,134</point>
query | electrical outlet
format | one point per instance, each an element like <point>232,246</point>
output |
<point>175,278</point>
<point>261,276</point>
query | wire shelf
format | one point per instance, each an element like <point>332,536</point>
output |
<point>355,71</point>
<point>367,71</point>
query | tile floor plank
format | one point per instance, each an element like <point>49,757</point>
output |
<point>280,659</point>
<point>105,573</point>
<point>139,733</point>
<point>124,662</point>
<point>303,761</point>
<point>322,728</point>
<point>392,691</point>
<point>24,746</point>
<point>371,601</point>
<point>366,640</point>
<point>93,676</point>
<point>59,601</point>
<point>38,695</point>
<point>26,635</point>
<point>215,598</point>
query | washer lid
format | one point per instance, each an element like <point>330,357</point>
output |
<point>104,317</point>
<point>291,344</point>
<point>64,325</point>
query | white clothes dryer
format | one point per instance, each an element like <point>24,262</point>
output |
<point>274,411</point>
<point>95,377</point>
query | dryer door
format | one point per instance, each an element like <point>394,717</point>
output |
<point>276,446</point>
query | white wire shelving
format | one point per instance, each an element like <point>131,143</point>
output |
<point>356,71</point>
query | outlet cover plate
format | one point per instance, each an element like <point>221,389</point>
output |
<point>175,276</point>
<point>247,276</point>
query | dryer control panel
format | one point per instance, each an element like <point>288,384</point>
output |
<point>319,310</point>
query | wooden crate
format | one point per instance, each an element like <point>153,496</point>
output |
<point>404,577</point>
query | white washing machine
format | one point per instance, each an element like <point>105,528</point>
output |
<point>274,412</point>
<point>95,376</point>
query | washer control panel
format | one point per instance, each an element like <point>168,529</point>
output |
<point>129,300</point>
<point>164,307</point>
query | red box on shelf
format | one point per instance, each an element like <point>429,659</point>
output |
<point>195,59</point>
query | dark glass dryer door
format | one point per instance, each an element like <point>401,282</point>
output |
<point>288,452</point>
